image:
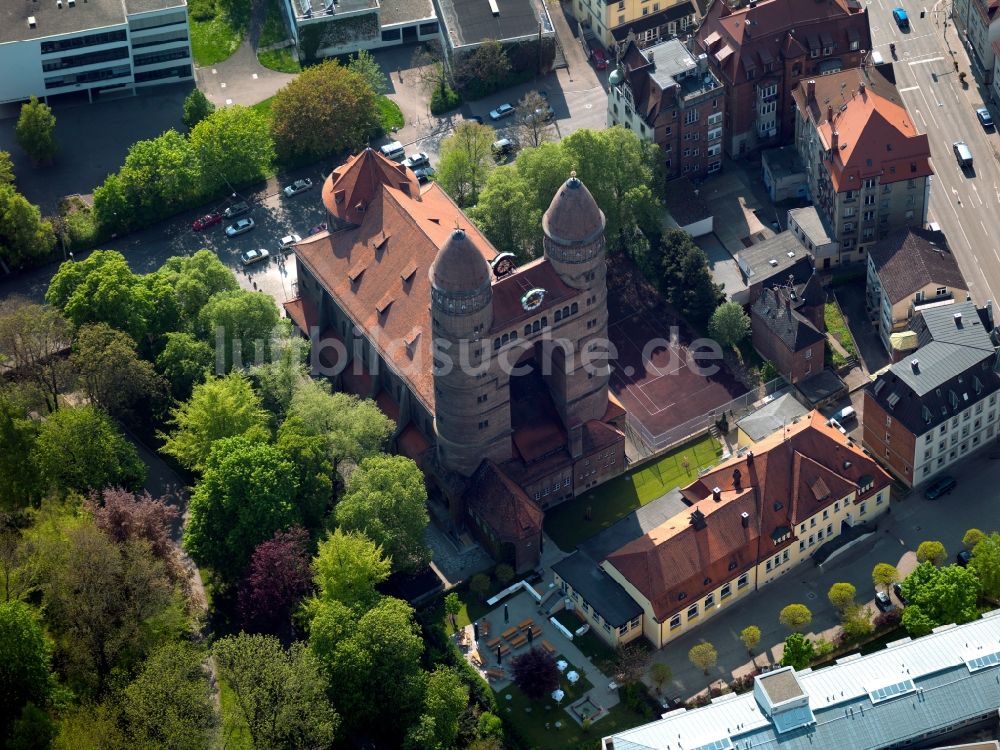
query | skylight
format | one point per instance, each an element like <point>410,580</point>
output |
<point>893,690</point>
<point>723,744</point>
<point>983,661</point>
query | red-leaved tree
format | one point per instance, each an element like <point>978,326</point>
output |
<point>536,673</point>
<point>123,515</point>
<point>279,577</point>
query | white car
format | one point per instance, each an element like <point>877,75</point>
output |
<point>419,159</point>
<point>254,256</point>
<point>299,186</point>
<point>240,227</point>
<point>288,240</point>
<point>504,110</point>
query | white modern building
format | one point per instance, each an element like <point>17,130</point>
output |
<point>52,47</point>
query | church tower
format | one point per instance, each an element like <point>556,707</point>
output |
<point>472,421</point>
<point>573,240</point>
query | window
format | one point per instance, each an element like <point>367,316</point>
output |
<point>692,613</point>
<point>726,592</point>
<point>768,566</point>
<point>691,116</point>
<point>862,509</point>
<point>742,581</point>
<point>829,529</point>
<point>675,622</point>
<point>826,514</point>
<point>709,601</point>
<point>802,546</point>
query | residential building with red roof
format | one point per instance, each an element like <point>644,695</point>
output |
<point>762,50</point>
<point>479,363</point>
<point>979,21</point>
<point>751,521</point>
<point>868,168</point>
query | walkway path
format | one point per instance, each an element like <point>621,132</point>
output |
<point>240,79</point>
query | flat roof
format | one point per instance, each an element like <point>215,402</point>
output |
<point>635,524</point>
<point>406,11</point>
<point>604,594</point>
<point>472,21</point>
<point>772,417</point>
<point>813,224</point>
<point>51,20</point>
<point>780,686</point>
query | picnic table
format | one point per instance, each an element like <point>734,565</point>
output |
<point>525,624</point>
<point>494,643</point>
<point>509,633</point>
<point>495,674</point>
<point>549,648</point>
<point>518,642</point>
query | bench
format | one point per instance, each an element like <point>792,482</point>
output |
<point>494,643</point>
<point>535,631</point>
<point>549,648</point>
<point>475,658</point>
<point>518,642</point>
<point>525,624</point>
<point>496,674</point>
<point>509,633</point>
<point>484,629</point>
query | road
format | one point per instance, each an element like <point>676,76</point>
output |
<point>965,205</point>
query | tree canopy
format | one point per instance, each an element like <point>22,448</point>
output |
<point>536,673</point>
<point>703,655</point>
<point>507,215</point>
<point>798,652</point>
<point>679,269</point>
<point>32,338</point>
<point>932,551</point>
<point>24,234</point>
<point>348,566</point>
<point>938,596</point>
<point>729,324</point>
<point>241,324</point>
<point>185,362</point>
<point>884,575</point>
<point>364,64</point>
<point>25,656</point>
<point>35,131</point>
<point>196,108</point>
<point>234,147</point>
<point>750,635</point>
<point>795,616</point>
<point>278,578</point>
<point>841,595</point>
<point>466,160</point>
<point>986,564</point>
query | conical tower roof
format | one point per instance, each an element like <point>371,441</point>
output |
<point>459,267</point>
<point>573,216</point>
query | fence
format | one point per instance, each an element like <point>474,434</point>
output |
<point>734,410</point>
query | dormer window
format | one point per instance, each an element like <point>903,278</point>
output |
<point>681,596</point>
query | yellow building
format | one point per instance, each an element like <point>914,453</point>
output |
<point>752,520</point>
<point>650,21</point>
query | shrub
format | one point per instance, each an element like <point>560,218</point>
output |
<point>888,620</point>
<point>444,99</point>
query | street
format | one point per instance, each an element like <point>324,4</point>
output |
<point>965,205</point>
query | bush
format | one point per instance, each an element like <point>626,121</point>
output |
<point>888,620</point>
<point>444,100</point>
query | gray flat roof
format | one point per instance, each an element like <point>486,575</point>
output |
<point>812,224</point>
<point>634,525</point>
<point>471,21</point>
<point>772,417</point>
<point>783,161</point>
<point>406,11</point>
<point>145,6</point>
<point>604,594</point>
<point>51,20</point>
<point>771,257</point>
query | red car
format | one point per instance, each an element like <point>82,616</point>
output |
<point>206,221</point>
<point>600,61</point>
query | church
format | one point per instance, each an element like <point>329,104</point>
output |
<point>496,375</point>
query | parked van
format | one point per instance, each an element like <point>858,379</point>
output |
<point>394,151</point>
<point>962,154</point>
<point>845,414</point>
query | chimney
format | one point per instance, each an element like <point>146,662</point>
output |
<point>810,90</point>
<point>737,480</point>
<point>698,520</point>
<point>750,458</point>
<point>745,519</point>
<point>829,114</point>
<point>717,494</point>
<point>958,320</point>
<point>834,141</point>
<point>861,90</point>
<point>915,365</point>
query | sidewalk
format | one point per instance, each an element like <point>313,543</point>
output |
<point>240,79</point>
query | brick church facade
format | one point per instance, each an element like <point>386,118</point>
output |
<point>494,374</point>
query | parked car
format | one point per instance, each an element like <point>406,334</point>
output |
<point>419,159</point>
<point>254,256</point>
<point>883,602</point>
<point>502,147</point>
<point>963,558</point>
<point>424,174</point>
<point>899,16</point>
<point>504,110</point>
<point>545,113</point>
<point>206,221</point>
<point>394,151</point>
<point>288,240</point>
<point>837,425</point>
<point>600,61</point>
<point>240,227</point>
<point>316,229</point>
<point>940,487</point>
<point>985,118</point>
<point>236,210</point>
<point>898,591</point>
<point>299,186</point>
<point>845,414</point>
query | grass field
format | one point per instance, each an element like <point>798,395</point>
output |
<point>837,327</point>
<point>217,28</point>
<point>235,733</point>
<point>389,114</point>
<point>570,524</point>
<point>274,32</point>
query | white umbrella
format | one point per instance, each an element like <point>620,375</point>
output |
<point>561,665</point>
<point>572,677</point>
<point>558,695</point>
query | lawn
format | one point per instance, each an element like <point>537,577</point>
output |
<point>389,114</point>
<point>275,32</point>
<point>235,733</point>
<point>532,724</point>
<point>217,28</point>
<point>837,327</point>
<point>590,644</point>
<point>577,520</point>
<point>264,107</point>
<point>283,60</point>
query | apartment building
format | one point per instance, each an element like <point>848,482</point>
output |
<point>907,272</point>
<point>996,71</point>
<point>750,521</point>
<point>979,21</point>
<point>761,51</point>
<point>923,414</point>
<point>668,96</point>
<point>74,46</point>
<point>868,168</point>
<point>649,21</point>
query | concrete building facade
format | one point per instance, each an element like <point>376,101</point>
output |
<point>72,46</point>
<point>647,21</point>
<point>979,21</point>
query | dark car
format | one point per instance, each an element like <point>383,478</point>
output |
<point>236,209</point>
<point>600,61</point>
<point>883,602</point>
<point>940,487</point>
<point>964,557</point>
<point>423,174</point>
<point>985,118</point>
<point>204,222</point>
<point>898,591</point>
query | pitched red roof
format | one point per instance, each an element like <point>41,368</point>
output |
<point>502,504</point>
<point>355,183</point>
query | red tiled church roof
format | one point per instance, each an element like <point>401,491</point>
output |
<point>502,504</point>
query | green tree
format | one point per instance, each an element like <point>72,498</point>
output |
<point>19,481</point>
<point>196,108</point>
<point>25,656</point>
<point>24,235</point>
<point>506,215</point>
<point>386,499</point>
<point>465,162</point>
<point>485,70</point>
<point>242,325</point>
<point>168,704</point>
<point>185,362</point>
<point>247,492</point>
<point>452,608</point>
<point>750,635</point>
<point>972,538</point>
<point>218,408</point>
<point>857,622</point>
<point>6,168</point>
<point>111,372</point>
<point>364,64</point>
<point>90,727</point>
<point>938,596</point>
<point>102,289</point>
<point>660,673</point>
<point>445,700</point>
<point>680,271</point>
<point>347,568</point>
<point>798,652</point>
<point>33,730</point>
<point>32,340</point>
<point>884,575</point>
<point>841,596</point>
<point>795,616</point>
<point>313,468</point>
<point>931,551</point>
<point>533,120</point>
<point>373,662</point>
<point>79,450</point>
<point>729,325</point>
<point>278,693</point>
<point>544,170</point>
<point>986,564</point>
<point>35,131</point>
<point>703,655</point>
<point>479,584</point>
<point>195,279</point>
<point>327,109</point>
<point>489,726</point>
<point>504,574</point>
<point>234,146</point>
<point>278,380</point>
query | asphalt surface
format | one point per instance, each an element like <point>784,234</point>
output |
<point>965,204</point>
